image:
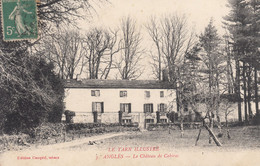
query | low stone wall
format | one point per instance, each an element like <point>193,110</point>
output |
<point>174,126</point>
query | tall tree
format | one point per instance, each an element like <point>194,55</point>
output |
<point>129,63</point>
<point>100,47</point>
<point>65,50</point>
<point>243,23</point>
<point>237,21</point>
<point>155,33</point>
<point>213,62</point>
<point>172,41</point>
<point>255,33</point>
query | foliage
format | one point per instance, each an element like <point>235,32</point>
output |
<point>172,116</point>
<point>13,142</point>
<point>243,23</point>
<point>31,95</point>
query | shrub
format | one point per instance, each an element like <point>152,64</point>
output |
<point>32,95</point>
<point>69,116</point>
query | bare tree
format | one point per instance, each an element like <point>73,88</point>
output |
<point>113,48</point>
<point>155,33</point>
<point>64,49</point>
<point>192,92</point>
<point>100,46</point>
<point>172,41</point>
<point>56,12</point>
<point>226,107</point>
<point>128,64</point>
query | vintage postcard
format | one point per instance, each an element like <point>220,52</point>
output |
<point>130,83</point>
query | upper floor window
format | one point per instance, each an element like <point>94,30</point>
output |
<point>148,108</point>
<point>162,107</point>
<point>98,107</point>
<point>125,107</point>
<point>123,93</point>
<point>161,93</point>
<point>95,93</point>
<point>147,94</point>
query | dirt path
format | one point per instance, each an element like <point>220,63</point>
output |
<point>78,142</point>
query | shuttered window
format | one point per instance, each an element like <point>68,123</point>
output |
<point>148,108</point>
<point>125,107</point>
<point>98,107</point>
<point>162,107</point>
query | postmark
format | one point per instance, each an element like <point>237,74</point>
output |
<point>19,20</point>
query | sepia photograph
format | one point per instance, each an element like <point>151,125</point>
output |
<point>130,82</point>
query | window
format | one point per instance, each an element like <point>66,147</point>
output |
<point>161,93</point>
<point>126,121</point>
<point>149,120</point>
<point>163,120</point>
<point>125,107</point>
<point>95,93</point>
<point>123,93</point>
<point>147,94</point>
<point>98,107</point>
<point>162,107</point>
<point>148,108</point>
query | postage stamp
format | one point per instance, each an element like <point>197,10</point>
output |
<point>19,20</point>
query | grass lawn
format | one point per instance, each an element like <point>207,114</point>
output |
<point>242,149</point>
<point>242,138</point>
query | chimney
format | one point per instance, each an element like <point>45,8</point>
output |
<point>165,75</point>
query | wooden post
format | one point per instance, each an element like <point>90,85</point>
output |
<point>212,135</point>
<point>198,137</point>
<point>64,137</point>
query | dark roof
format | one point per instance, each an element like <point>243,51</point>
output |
<point>138,84</point>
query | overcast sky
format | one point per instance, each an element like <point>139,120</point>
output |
<point>198,12</point>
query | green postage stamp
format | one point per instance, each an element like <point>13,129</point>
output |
<point>19,20</point>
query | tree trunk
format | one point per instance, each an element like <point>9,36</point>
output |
<point>181,124</point>
<point>211,126</point>
<point>256,93</point>
<point>245,89</point>
<point>249,92</point>
<point>237,89</point>
<point>198,137</point>
<point>218,104</point>
<point>226,120</point>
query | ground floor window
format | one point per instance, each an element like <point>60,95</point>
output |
<point>98,107</point>
<point>126,121</point>
<point>125,107</point>
<point>163,120</point>
<point>148,108</point>
<point>149,120</point>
